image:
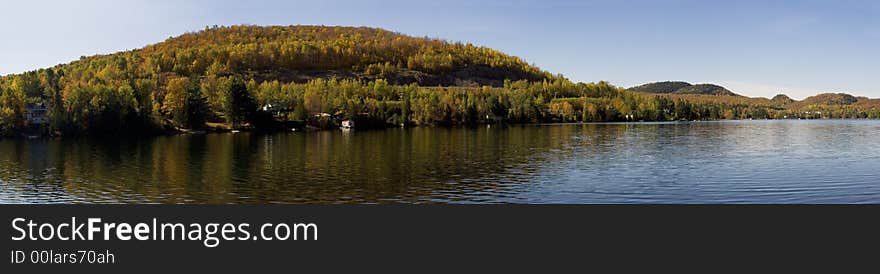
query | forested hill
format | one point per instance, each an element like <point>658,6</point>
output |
<point>301,53</point>
<point>223,74</point>
<point>674,87</point>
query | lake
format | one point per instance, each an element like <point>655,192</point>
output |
<point>785,161</point>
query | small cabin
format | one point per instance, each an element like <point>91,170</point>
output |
<point>37,114</point>
<point>347,124</point>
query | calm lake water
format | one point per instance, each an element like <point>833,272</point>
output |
<point>832,161</point>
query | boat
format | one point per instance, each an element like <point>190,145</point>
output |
<point>347,124</point>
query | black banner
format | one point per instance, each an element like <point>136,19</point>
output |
<point>546,238</point>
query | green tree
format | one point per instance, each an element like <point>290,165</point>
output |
<point>240,106</point>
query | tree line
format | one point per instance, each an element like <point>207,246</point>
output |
<point>191,103</point>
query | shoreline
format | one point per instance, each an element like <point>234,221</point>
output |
<point>219,130</point>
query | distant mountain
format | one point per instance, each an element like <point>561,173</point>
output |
<point>831,99</point>
<point>835,99</point>
<point>677,87</point>
<point>661,87</point>
<point>782,100</point>
<point>706,89</point>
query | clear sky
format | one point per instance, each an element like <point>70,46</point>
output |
<point>755,48</point>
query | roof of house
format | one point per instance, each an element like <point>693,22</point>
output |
<point>36,105</point>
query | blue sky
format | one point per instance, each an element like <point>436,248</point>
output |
<point>756,48</point>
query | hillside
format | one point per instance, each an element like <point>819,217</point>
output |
<point>301,53</point>
<point>673,87</point>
